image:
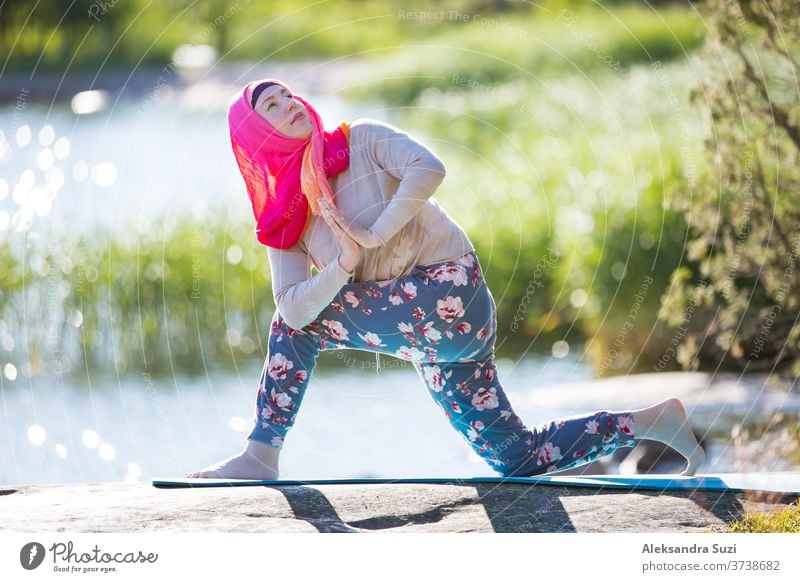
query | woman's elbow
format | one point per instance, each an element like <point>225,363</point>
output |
<point>431,171</point>
<point>436,166</point>
<point>293,320</point>
<point>292,317</point>
<point>427,162</point>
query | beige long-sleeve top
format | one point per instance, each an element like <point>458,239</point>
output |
<point>387,187</point>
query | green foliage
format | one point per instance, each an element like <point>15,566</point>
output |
<point>744,214</point>
<point>90,34</point>
<point>572,170</point>
<point>176,295</point>
<point>786,520</point>
<point>529,46</point>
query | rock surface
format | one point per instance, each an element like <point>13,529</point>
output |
<point>711,400</point>
<point>131,507</point>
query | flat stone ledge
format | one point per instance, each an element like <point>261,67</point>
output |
<point>130,507</point>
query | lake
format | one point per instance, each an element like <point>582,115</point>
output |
<point>352,423</point>
<point>136,158</point>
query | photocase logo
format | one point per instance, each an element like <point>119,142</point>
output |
<point>31,555</point>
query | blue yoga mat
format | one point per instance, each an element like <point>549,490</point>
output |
<point>788,483</point>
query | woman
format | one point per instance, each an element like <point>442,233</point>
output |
<point>396,276</point>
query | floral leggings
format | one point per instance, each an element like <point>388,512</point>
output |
<point>442,318</point>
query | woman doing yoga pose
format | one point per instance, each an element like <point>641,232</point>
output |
<point>397,276</point>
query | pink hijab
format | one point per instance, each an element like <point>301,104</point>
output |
<point>285,176</point>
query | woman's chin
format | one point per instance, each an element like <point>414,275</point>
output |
<point>295,134</point>
<point>298,132</point>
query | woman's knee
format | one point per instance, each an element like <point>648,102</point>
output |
<point>304,343</point>
<point>521,468</point>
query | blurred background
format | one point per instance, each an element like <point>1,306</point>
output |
<point>627,171</point>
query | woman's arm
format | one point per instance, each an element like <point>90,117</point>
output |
<point>419,170</point>
<point>299,297</point>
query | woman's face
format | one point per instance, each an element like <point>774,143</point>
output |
<point>278,106</point>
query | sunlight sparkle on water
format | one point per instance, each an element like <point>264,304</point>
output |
<point>560,349</point>
<point>104,174</point>
<point>79,171</point>
<point>194,55</point>
<point>23,135</point>
<point>89,102</point>
<point>238,424</point>
<point>46,135</point>
<point>90,438</point>
<point>75,318</point>
<point>106,452</point>
<point>45,159</point>
<point>26,182</point>
<point>10,371</point>
<point>62,148</point>
<point>54,179</point>
<point>39,201</point>
<point>37,434</point>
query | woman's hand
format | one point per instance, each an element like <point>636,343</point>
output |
<point>350,254</point>
<point>359,233</point>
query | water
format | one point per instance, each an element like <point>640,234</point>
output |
<point>352,423</point>
<point>132,161</point>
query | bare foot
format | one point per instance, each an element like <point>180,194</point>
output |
<point>244,465</point>
<point>695,460</point>
<point>672,427</point>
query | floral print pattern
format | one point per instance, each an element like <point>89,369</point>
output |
<point>442,318</point>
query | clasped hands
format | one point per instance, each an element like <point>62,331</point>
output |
<point>361,234</point>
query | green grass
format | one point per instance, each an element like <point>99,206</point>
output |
<point>786,520</point>
<point>580,166</point>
